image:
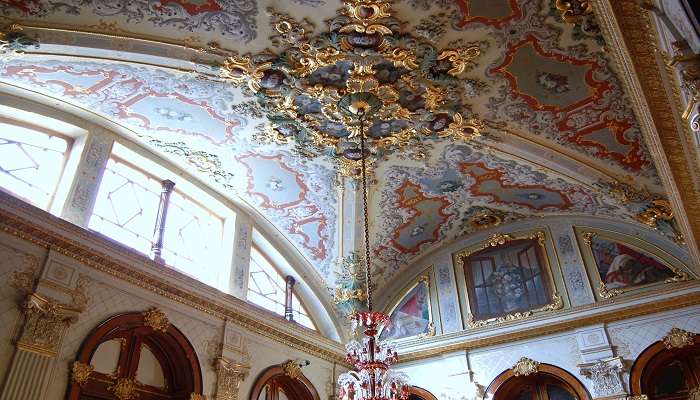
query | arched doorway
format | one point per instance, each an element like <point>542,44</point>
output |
<point>136,355</point>
<point>283,382</point>
<point>548,383</point>
<point>668,371</point>
<point>418,393</point>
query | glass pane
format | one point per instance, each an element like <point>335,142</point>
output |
<point>555,392</point>
<point>31,163</point>
<point>267,288</point>
<point>127,205</point>
<point>193,239</point>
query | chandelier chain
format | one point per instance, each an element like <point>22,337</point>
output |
<point>365,210</point>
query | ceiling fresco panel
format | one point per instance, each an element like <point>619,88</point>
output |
<point>193,123</point>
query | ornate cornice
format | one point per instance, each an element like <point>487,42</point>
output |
<point>630,35</point>
<point>77,243</point>
<point>569,319</point>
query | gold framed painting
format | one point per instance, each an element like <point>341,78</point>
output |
<point>618,263</point>
<point>507,277</point>
<point>413,312</point>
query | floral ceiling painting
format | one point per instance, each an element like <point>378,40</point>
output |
<point>553,131</point>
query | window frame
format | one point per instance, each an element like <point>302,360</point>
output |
<point>67,155</point>
<point>255,247</point>
<point>128,153</point>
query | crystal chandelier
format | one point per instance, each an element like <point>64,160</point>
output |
<point>373,379</point>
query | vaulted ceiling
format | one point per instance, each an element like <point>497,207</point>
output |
<point>559,136</point>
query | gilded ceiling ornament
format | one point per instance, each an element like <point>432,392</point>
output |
<point>486,219</point>
<point>81,372</point>
<point>156,319</point>
<point>430,332</point>
<point>678,338</point>
<point>473,323</point>
<point>525,366</point>
<point>588,237</point>
<point>124,389</point>
<point>608,293</point>
<point>498,239</point>
<point>310,89</point>
<point>23,280</point>
<point>13,40</point>
<point>572,10</point>
<point>292,369</point>
<point>658,210</point>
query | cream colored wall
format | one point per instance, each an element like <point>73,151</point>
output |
<point>108,296</point>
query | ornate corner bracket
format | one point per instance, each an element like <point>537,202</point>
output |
<point>525,366</point>
<point>678,338</point>
<point>292,369</point>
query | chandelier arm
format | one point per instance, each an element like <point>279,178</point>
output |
<point>365,210</point>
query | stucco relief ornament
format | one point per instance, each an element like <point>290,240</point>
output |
<point>525,366</point>
<point>81,372</point>
<point>678,338</point>
<point>605,376</point>
<point>412,88</point>
<point>292,369</point>
<point>124,389</point>
<point>156,319</point>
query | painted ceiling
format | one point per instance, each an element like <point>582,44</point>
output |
<point>559,136</point>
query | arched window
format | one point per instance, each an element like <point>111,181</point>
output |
<point>267,288</point>
<point>280,382</point>
<point>32,161</point>
<point>548,383</point>
<point>136,355</point>
<point>668,372</point>
<point>198,229</point>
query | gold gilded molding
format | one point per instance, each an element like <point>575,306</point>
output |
<point>607,293</point>
<point>197,396</point>
<point>156,319</point>
<point>291,369</point>
<point>80,372</point>
<point>575,317</point>
<point>124,389</point>
<point>525,366</point>
<point>678,338</point>
<point>486,219</point>
<point>628,23</point>
<point>499,239</point>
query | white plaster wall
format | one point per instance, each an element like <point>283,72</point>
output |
<point>109,296</point>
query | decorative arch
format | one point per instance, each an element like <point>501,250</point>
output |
<point>286,378</point>
<point>418,393</point>
<point>678,354</point>
<point>312,292</point>
<point>502,387</point>
<point>136,354</point>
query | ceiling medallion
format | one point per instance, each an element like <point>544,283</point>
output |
<point>309,91</point>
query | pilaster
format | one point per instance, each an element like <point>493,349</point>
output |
<point>240,265</point>
<point>87,165</point>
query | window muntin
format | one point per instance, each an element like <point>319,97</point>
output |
<point>266,288</point>
<point>127,206</point>
<point>193,233</point>
<point>31,163</point>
